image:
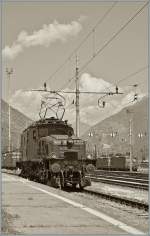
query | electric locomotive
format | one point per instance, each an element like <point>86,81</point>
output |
<point>53,155</point>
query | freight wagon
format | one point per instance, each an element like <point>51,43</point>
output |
<point>10,159</point>
<point>102,163</point>
<point>115,163</point>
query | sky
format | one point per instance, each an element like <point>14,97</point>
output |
<point>38,37</point>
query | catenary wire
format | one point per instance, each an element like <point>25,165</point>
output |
<point>111,39</point>
<point>83,41</point>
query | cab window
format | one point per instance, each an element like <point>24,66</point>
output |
<point>34,134</point>
<point>46,149</point>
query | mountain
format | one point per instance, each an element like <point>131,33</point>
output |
<point>18,122</point>
<point>83,128</point>
<point>112,134</point>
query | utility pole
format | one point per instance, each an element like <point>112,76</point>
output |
<point>77,100</point>
<point>95,151</point>
<point>9,73</point>
<point>130,134</point>
<point>130,137</point>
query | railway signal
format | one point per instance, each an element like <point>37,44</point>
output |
<point>140,135</point>
<point>113,134</point>
<point>116,90</point>
<point>101,105</point>
<point>135,97</point>
<point>90,134</point>
<point>45,88</point>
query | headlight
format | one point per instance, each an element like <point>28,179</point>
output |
<point>90,168</point>
<point>55,167</point>
<point>53,155</point>
<point>57,142</point>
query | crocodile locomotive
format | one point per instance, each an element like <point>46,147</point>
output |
<point>53,155</point>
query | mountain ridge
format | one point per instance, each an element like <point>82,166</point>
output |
<point>18,122</point>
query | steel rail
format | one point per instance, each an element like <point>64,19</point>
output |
<point>124,178</point>
<point>118,199</point>
<point>114,178</point>
<point>121,183</point>
<point>122,173</point>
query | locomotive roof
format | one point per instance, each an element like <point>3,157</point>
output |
<point>59,137</point>
<point>47,121</point>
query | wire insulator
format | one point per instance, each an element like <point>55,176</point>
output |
<point>45,86</point>
<point>116,90</point>
<point>135,97</point>
<point>104,103</point>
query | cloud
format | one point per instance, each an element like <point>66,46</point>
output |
<point>90,112</point>
<point>90,83</point>
<point>13,51</point>
<point>47,35</point>
<point>27,102</point>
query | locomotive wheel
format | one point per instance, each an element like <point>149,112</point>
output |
<point>87,181</point>
<point>54,182</point>
<point>81,183</point>
<point>65,185</point>
<point>61,180</point>
<point>49,182</point>
<point>74,186</point>
<point>80,186</point>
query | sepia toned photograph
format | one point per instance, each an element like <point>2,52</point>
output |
<point>74,117</point>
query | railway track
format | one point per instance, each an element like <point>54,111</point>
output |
<point>134,180</point>
<point>123,173</point>
<point>119,199</point>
